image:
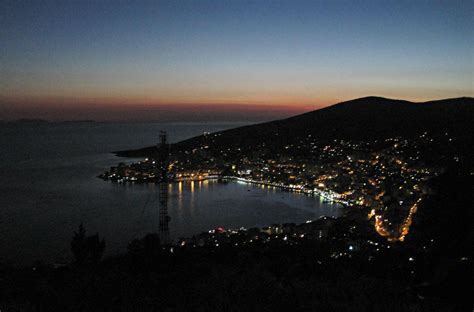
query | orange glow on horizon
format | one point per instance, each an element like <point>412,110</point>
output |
<point>290,102</point>
<point>59,107</point>
<point>142,108</point>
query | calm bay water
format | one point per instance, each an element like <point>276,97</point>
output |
<point>48,186</point>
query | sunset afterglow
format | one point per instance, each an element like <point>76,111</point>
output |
<point>70,60</point>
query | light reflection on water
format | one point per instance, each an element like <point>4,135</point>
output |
<point>49,186</point>
<point>120,213</point>
<point>213,204</point>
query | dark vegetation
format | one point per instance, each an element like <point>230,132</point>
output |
<point>87,250</point>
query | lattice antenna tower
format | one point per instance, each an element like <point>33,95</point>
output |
<point>163,153</point>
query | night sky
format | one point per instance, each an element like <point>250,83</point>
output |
<point>163,60</point>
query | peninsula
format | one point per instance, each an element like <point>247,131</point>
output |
<point>372,153</point>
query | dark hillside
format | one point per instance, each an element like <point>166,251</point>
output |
<point>359,119</point>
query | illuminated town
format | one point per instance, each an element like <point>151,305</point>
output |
<point>387,178</point>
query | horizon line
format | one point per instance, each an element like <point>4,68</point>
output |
<point>168,112</point>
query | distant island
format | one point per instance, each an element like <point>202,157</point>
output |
<point>30,120</point>
<point>38,120</point>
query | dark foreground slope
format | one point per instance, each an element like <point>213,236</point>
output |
<point>359,119</point>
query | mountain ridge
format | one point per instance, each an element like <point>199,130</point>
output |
<point>363,118</point>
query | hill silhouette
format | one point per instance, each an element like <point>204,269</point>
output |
<point>364,118</point>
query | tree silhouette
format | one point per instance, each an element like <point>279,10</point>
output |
<point>86,249</point>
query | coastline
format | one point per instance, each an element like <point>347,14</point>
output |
<point>331,197</point>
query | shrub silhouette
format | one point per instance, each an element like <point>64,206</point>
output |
<point>149,246</point>
<point>86,249</point>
